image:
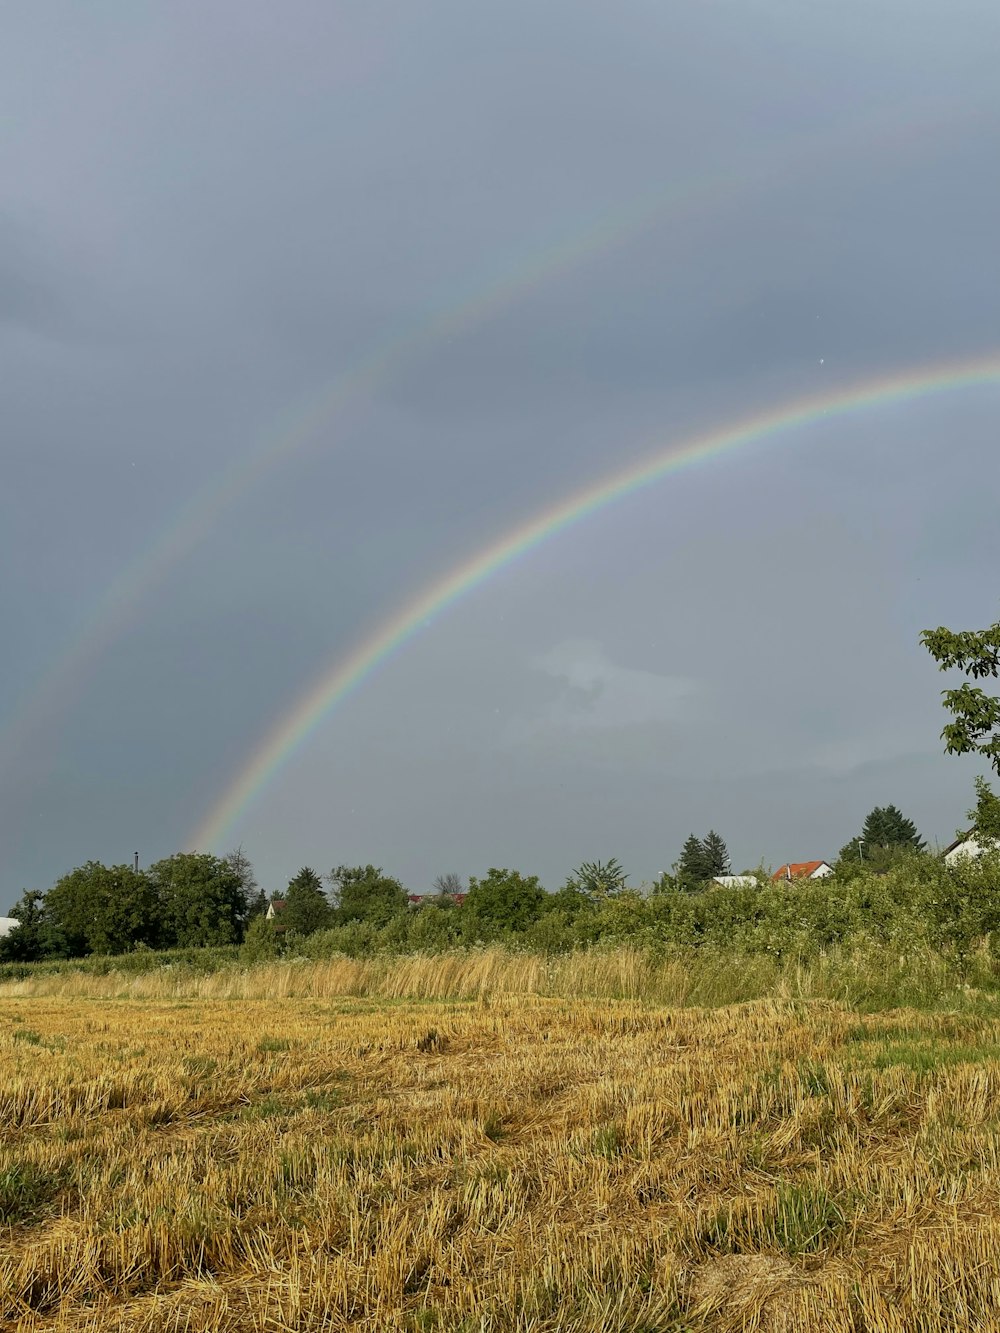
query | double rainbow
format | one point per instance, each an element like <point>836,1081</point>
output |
<point>347,674</point>
<point>184,530</point>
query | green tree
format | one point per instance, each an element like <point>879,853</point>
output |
<point>692,869</point>
<point>571,900</point>
<point>985,815</point>
<point>500,903</point>
<point>201,898</point>
<point>975,725</point>
<point>885,834</point>
<point>364,893</point>
<point>716,855</point>
<point>256,899</point>
<point>307,907</point>
<point>36,936</point>
<point>260,943</point>
<point>104,909</point>
<point>599,880</point>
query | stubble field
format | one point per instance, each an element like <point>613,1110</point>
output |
<point>511,1163</point>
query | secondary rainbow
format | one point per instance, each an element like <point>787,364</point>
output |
<point>185,529</point>
<point>348,673</point>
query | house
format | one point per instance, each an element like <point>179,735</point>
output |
<point>733,882</point>
<point>7,924</point>
<point>803,870</point>
<point>274,909</point>
<point>969,847</point>
<point>418,899</point>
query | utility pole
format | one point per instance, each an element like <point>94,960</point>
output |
<point>136,865</point>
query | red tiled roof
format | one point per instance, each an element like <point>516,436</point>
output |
<point>797,870</point>
<point>417,899</point>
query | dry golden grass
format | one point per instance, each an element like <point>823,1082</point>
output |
<point>511,1163</point>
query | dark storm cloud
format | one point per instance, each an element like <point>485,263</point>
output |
<point>210,217</point>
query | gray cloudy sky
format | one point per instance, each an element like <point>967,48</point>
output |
<point>617,226</point>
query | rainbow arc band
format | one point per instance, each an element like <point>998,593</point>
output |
<point>182,532</point>
<point>346,674</point>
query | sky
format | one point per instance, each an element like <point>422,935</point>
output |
<point>304,306</point>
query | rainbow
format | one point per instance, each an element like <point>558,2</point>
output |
<point>183,531</point>
<point>337,682</point>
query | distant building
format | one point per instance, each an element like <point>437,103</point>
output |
<point>7,924</point>
<point>969,847</point>
<point>418,899</point>
<point>274,907</point>
<point>733,882</point>
<point>803,870</point>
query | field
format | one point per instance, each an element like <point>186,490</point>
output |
<point>188,1154</point>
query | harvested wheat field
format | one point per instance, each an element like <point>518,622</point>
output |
<point>508,1163</point>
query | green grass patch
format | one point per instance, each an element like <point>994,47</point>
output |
<point>266,1108</point>
<point>799,1219</point>
<point>199,1066</point>
<point>29,1036</point>
<point>927,1056</point>
<point>609,1142</point>
<point>322,1099</point>
<point>26,1191</point>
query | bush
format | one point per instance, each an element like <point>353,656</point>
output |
<point>261,942</point>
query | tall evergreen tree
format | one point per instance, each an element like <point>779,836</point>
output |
<point>693,866</point>
<point>307,907</point>
<point>716,855</point>
<point>886,832</point>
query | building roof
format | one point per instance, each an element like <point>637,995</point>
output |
<point>735,881</point>
<point>797,869</point>
<point>418,899</point>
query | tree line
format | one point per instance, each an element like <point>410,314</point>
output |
<point>196,900</point>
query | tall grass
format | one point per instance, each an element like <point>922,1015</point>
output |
<point>868,978</point>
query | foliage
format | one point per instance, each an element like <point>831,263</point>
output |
<point>886,831</point>
<point>307,907</point>
<point>36,936</point>
<point>599,880</point>
<point>975,728</point>
<point>107,909</point>
<point>501,902</point>
<point>701,860</point>
<point>261,942</point>
<point>241,866</point>
<point>364,893</point>
<point>716,855</point>
<point>201,899</point>
<point>692,866</point>
<point>985,815</point>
